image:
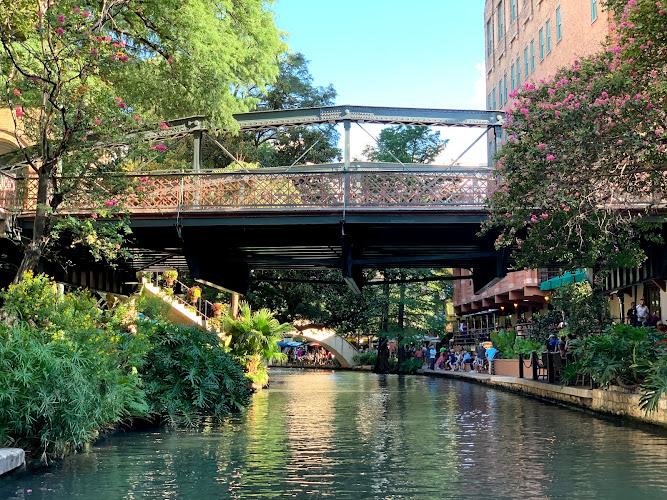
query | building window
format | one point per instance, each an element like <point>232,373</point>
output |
<point>493,95</point>
<point>505,88</point>
<point>594,10</point>
<point>559,33</point>
<point>541,36</point>
<point>488,101</point>
<point>512,10</point>
<point>525,62</point>
<point>518,72</point>
<point>512,78</point>
<point>489,38</point>
<point>501,26</point>
<point>548,30</point>
<point>532,56</point>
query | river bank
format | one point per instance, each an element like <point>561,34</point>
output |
<point>614,401</point>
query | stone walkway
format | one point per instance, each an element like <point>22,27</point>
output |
<point>10,459</point>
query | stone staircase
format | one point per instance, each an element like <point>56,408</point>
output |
<point>180,311</point>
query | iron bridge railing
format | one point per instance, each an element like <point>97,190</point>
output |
<point>299,188</point>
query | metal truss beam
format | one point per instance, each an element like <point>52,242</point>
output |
<point>263,120</point>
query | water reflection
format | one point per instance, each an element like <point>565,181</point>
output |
<point>357,435</point>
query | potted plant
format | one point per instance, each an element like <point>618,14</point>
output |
<point>217,308</point>
<point>170,276</point>
<point>194,293</point>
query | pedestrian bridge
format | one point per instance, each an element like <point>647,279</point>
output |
<point>224,224</point>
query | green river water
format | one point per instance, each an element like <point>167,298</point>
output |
<point>317,434</point>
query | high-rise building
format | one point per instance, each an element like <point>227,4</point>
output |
<point>525,41</point>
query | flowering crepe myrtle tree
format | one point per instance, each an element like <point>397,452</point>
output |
<point>584,169</point>
<point>79,75</point>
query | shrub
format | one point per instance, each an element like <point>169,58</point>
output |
<point>366,358</point>
<point>622,355</point>
<point>411,365</point>
<point>189,376</point>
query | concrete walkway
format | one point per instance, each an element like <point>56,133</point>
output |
<point>10,459</point>
<point>613,400</point>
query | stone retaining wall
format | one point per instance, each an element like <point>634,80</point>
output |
<point>615,400</point>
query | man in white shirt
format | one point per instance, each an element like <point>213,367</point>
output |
<point>642,313</point>
<point>431,353</point>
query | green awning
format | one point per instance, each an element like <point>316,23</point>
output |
<point>570,277</point>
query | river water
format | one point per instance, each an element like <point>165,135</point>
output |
<point>317,434</point>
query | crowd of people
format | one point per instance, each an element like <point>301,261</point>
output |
<point>640,315</point>
<point>456,360</point>
<point>303,355</point>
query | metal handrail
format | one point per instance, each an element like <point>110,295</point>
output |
<point>203,307</point>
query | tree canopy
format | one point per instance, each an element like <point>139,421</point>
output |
<point>407,144</point>
<point>584,166</point>
<point>78,74</point>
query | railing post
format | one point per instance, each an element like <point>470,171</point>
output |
<point>534,363</point>
<point>551,369</point>
<point>520,365</point>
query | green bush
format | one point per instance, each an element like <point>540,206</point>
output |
<point>626,356</point>
<point>411,365</point>
<point>525,347</point>
<point>53,397</point>
<point>190,376</point>
<point>63,381</point>
<point>504,341</point>
<point>366,358</point>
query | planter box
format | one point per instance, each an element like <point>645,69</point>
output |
<point>506,367</point>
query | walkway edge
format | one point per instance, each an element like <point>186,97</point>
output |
<point>609,402</point>
<point>10,459</point>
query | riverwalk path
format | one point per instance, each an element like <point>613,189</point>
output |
<point>613,400</point>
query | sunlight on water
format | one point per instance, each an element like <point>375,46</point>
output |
<point>357,435</point>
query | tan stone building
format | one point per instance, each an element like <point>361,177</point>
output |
<point>525,41</point>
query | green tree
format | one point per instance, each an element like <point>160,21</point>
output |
<point>79,74</point>
<point>585,160</point>
<point>253,339</point>
<point>407,144</point>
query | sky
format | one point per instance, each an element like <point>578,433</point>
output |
<point>422,54</point>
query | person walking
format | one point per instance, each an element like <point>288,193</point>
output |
<point>632,315</point>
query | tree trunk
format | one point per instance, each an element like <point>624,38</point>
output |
<point>33,250</point>
<point>382,362</point>
<point>401,326</point>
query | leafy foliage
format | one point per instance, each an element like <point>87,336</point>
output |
<point>190,376</point>
<point>583,310</point>
<point>510,346</point>
<point>407,144</point>
<point>254,339</point>
<point>66,375</point>
<point>78,77</point>
<point>622,355</point>
<point>598,131</point>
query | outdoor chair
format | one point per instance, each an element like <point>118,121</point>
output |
<point>539,367</point>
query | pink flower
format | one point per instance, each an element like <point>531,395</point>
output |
<point>551,157</point>
<point>137,118</point>
<point>19,113</point>
<point>85,15</point>
<point>117,246</point>
<point>97,122</point>
<point>161,147</point>
<point>121,105</point>
<point>76,10</point>
<point>533,218</point>
<point>61,19</point>
<point>164,126</point>
<point>110,203</point>
<point>544,216</point>
<point>123,58</point>
<point>94,216</point>
<point>17,92</point>
<point>93,52</point>
<point>542,146</point>
<point>619,142</point>
<point>60,31</point>
<point>117,99</point>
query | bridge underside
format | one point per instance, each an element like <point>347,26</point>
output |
<point>224,250</point>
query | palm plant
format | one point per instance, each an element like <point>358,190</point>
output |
<point>253,339</point>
